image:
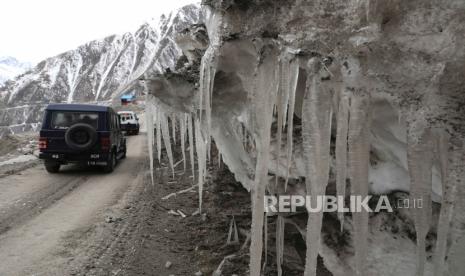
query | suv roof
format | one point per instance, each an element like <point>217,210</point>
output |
<point>79,107</point>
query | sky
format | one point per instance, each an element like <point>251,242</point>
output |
<point>32,30</point>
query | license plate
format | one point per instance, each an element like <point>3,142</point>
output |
<point>55,156</point>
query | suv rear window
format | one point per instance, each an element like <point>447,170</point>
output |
<point>65,119</point>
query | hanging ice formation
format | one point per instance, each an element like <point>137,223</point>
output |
<point>448,198</point>
<point>173,128</point>
<point>280,224</point>
<point>158,133</point>
<point>182,129</point>
<point>265,239</point>
<point>201,148</point>
<point>290,86</point>
<point>149,122</point>
<point>316,134</point>
<point>341,147</point>
<point>359,161</point>
<point>419,155</point>
<point>263,100</point>
<point>190,131</point>
<point>166,139</point>
<point>207,77</point>
<point>208,71</point>
<point>267,99</point>
<point>456,185</point>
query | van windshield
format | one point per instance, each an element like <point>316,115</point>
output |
<point>125,116</point>
<point>65,119</point>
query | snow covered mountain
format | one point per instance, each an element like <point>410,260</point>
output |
<point>96,71</point>
<point>10,67</point>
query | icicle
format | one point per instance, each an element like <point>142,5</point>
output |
<point>419,157</point>
<point>358,142</point>
<point>316,135</point>
<point>208,71</point>
<point>285,85</point>
<point>182,129</point>
<point>173,128</point>
<point>166,139</point>
<point>457,184</point>
<point>280,112</point>
<point>263,100</point>
<point>359,161</point>
<point>207,76</point>
<point>341,149</point>
<point>280,243</point>
<point>191,144</point>
<point>265,239</point>
<point>149,127</point>
<point>158,133</point>
<point>448,194</point>
<point>294,73</point>
<point>201,159</point>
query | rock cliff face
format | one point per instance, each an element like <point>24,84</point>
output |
<point>343,97</point>
<point>95,72</point>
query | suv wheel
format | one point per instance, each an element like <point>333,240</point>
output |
<point>111,164</point>
<point>52,167</point>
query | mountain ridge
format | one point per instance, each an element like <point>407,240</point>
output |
<point>97,71</point>
<point>10,67</point>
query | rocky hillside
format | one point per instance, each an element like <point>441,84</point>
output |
<point>94,72</point>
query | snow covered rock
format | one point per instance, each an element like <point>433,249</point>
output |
<point>10,67</point>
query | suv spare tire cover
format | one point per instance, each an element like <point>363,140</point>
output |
<point>86,133</point>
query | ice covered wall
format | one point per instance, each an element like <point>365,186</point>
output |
<point>365,91</point>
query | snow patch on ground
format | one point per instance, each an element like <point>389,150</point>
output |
<point>18,159</point>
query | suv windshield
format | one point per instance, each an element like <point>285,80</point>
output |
<point>65,119</point>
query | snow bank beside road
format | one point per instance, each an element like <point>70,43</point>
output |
<point>18,159</point>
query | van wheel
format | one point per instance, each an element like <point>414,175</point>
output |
<point>52,167</point>
<point>111,164</point>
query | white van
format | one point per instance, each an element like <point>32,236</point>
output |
<point>129,122</point>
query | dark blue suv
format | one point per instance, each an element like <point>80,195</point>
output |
<point>81,133</point>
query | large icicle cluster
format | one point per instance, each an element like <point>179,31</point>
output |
<point>316,135</point>
<point>309,97</point>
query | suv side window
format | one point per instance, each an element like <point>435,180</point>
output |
<point>110,121</point>
<point>115,121</point>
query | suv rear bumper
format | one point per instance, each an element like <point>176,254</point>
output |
<point>97,158</point>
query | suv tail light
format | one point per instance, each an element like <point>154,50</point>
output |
<point>42,143</point>
<point>105,143</point>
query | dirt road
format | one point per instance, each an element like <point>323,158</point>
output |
<point>82,221</point>
<point>45,219</point>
